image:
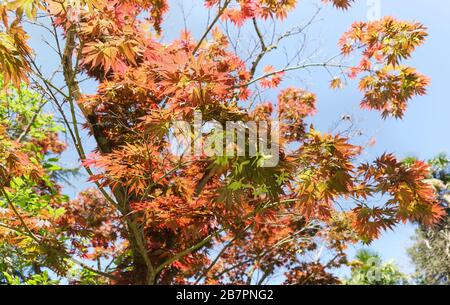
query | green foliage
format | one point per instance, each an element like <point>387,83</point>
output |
<point>26,125</point>
<point>35,279</point>
<point>82,276</point>
<point>23,109</point>
<point>369,269</point>
<point>22,115</point>
<point>16,269</point>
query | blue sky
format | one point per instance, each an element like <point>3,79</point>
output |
<point>422,132</point>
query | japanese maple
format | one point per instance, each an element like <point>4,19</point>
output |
<point>158,218</point>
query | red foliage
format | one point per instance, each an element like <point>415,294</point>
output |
<point>169,215</point>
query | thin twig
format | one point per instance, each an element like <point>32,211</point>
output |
<point>205,34</point>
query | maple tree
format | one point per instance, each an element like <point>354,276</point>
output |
<point>158,218</point>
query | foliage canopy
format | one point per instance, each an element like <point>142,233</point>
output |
<point>158,218</point>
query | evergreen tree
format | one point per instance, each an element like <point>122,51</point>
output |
<point>431,251</point>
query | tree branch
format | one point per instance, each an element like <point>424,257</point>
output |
<point>205,34</point>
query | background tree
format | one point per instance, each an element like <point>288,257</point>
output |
<point>159,218</point>
<point>431,251</point>
<point>369,269</point>
<point>30,149</point>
